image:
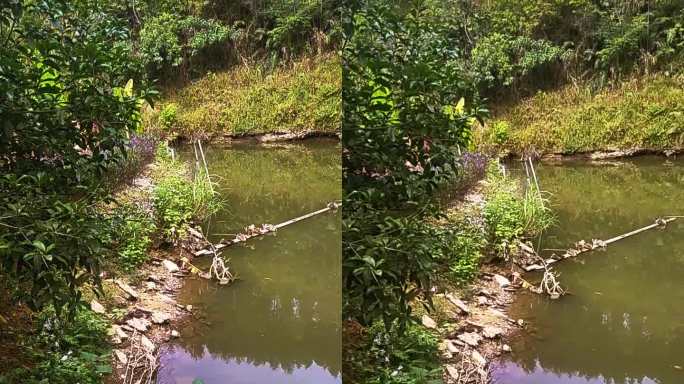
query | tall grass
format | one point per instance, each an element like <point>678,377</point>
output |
<point>178,199</point>
<point>248,99</point>
<point>646,112</point>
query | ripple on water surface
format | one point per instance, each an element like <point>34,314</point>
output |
<point>280,323</point>
<point>624,320</point>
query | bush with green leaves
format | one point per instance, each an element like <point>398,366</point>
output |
<point>405,116</point>
<point>168,116</point>
<point>510,213</point>
<point>391,357</point>
<point>134,229</point>
<point>178,199</point>
<point>170,40</point>
<point>69,105</point>
<point>65,351</point>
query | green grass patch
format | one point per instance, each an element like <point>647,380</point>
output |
<point>179,199</point>
<point>304,95</point>
<point>645,112</point>
<point>512,213</point>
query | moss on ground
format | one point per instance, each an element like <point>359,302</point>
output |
<point>302,96</point>
<point>646,112</point>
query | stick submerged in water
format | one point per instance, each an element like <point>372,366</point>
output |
<point>586,247</point>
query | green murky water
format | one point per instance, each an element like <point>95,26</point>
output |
<point>281,322</point>
<point>624,322</point>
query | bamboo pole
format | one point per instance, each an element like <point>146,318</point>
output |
<point>572,252</point>
<point>206,168</point>
<point>265,228</point>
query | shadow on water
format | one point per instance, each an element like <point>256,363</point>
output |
<point>624,322</point>
<point>280,323</point>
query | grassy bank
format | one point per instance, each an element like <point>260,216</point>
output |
<point>645,112</point>
<point>304,95</point>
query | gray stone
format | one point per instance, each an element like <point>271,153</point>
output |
<point>470,338</point>
<point>428,322</point>
<point>170,266</point>
<point>139,324</point>
<point>96,307</point>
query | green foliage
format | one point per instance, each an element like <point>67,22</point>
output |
<point>646,112</point>
<point>389,357</point>
<point>133,230</point>
<point>467,244</point>
<point>498,60</point>
<point>511,214</point>
<point>178,200</point>
<point>168,116</point>
<point>167,40</point>
<point>499,132</point>
<point>67,109</point>
<point>404,116</point>
<point>66,352</point>
<point>249,100</point>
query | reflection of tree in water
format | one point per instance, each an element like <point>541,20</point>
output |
<point>286,311</point>
<point>623,322</point>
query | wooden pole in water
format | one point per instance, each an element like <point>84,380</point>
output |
<point>574,252</point>
<point>206,169</point>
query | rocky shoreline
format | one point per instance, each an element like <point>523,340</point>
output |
<point>143,306</point>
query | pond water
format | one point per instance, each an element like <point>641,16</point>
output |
<point>624,320</point>
<point>280,323</point>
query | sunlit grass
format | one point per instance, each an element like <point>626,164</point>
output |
<point>647,112</point>
<point>247,99</point>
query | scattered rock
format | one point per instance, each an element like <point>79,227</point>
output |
<point>118,332</point>
<point>506,348</point>
<point>139,324</point>
<point>470,338</point>
<point>481,300</point>
<point>188,308</point>
<point>160,317</point>
<point>428,322</point>
<point>132,293</point>
<point>521,322</point>
<point>451,346</point>
<point>96,307</point>
<point>452,371</point>
<point>121,356</point>
<point>147,343</point>
<point>502,281</point>
<point>170,266</point>
<point>195,233</point>
<point>150,285</point>
<point>492,332</point>
<point>175,334</point>
<point>478,358</point>
<point>458,303</point>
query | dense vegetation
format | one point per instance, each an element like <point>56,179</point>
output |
<point>303,95</point>
<point>418,79</point>
<point>73,78</point>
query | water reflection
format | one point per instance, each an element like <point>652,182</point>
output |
<point>624,320</point>
<point>281,322</point>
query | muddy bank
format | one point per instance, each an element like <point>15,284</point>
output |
<point>595,155</point>
<point>271,137</point>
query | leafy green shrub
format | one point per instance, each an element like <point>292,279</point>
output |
<point>500,132</point>
<point>498,59</point>
<point>511,214</point>
<point>465,252</point>
<point>167,39</point>
<point>66,352</point>
<point>390,357</point>
<point>177,199</point>
<point>133,228</point>
<point>168,116</point>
